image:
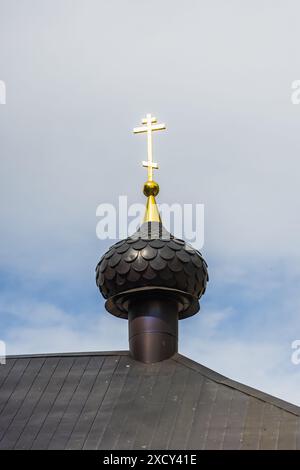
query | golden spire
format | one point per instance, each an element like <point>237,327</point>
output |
<point>151,188</point>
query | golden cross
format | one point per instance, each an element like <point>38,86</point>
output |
<point>150,126</point>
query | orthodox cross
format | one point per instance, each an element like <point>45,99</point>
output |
<point>149,125</point>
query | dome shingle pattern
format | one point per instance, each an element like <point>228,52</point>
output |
<point>151,258</point>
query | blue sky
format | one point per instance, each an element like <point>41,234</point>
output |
<point>79,76</point>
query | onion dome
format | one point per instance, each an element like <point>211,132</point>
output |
<point>152,260</point>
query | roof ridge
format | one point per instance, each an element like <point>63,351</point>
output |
<point>70,354</point>
<point>226,381</point>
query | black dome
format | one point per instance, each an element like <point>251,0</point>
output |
<point>151,259</point>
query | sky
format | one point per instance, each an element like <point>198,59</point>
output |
<point>79,75</point>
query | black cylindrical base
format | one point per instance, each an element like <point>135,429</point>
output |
<point>153,327</point>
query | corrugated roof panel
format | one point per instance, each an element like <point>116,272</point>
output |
<point>253,424</point>
<point>44,405</point>
<point>103,413</point>
<point>287,438</point>
<point>236,421</point>
<point>184,422</point>
<point>170,409</point>
<point>142,415</point>
<point>5,369</point>
<point>30,389</point>
<point>270,428</point>
<point>220,412</point>
<point>134,408</point>
<point>154,405</point>
<point>93,402</point>
<point>12,379</point>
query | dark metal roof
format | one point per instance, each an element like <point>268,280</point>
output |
<point>109,401</point>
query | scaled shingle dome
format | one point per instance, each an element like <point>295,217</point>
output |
<point>151,259</point>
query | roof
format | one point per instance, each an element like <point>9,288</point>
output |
<point>109,401</point>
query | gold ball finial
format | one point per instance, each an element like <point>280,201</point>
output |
<point>151,188</point>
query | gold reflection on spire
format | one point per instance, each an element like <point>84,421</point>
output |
<point>151,188</point>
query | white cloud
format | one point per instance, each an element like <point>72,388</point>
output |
<point>45,328</point>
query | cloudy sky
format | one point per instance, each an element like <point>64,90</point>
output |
<point>79,76</point>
